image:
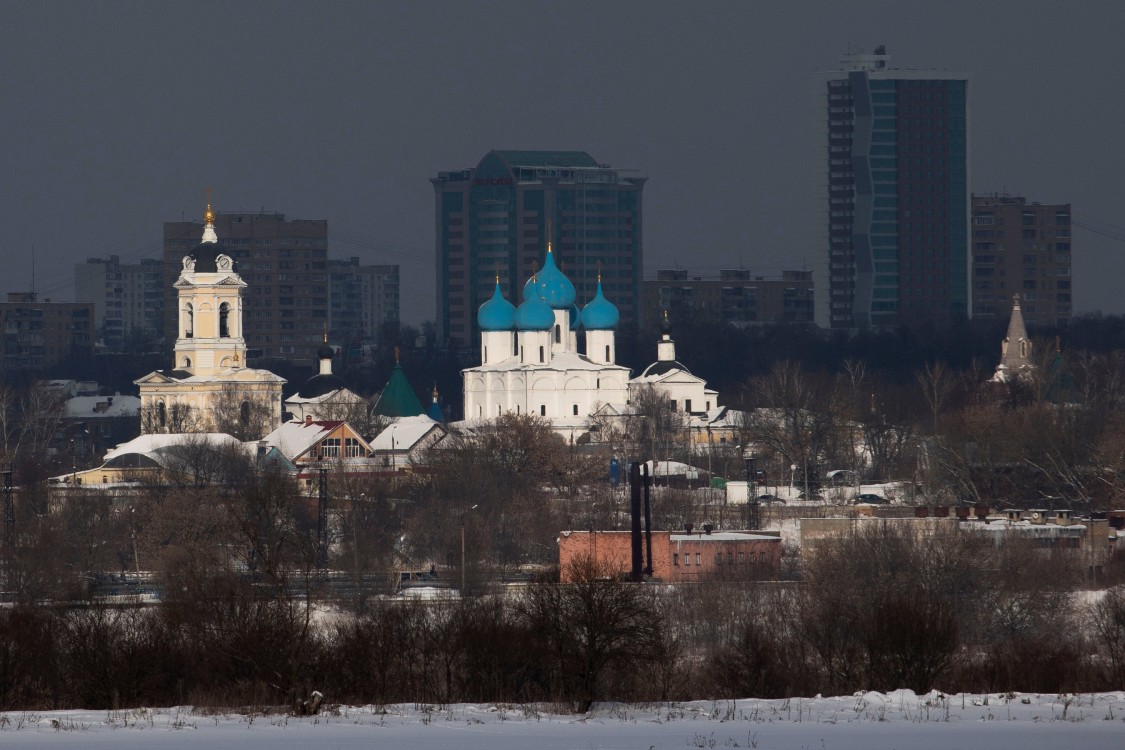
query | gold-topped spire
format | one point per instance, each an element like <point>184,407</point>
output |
<point>208,215</point>
<point>548,236</point>
<point>599,271</point>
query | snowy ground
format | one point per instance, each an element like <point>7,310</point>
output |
<point>868,721</point>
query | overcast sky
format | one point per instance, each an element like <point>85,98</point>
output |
<point>116,116</point>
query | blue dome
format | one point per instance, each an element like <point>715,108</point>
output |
<point>575,318</point>
<point>553,285</point>
<point>498,314</point>
<point>534,315</point>
<point>600,314</point>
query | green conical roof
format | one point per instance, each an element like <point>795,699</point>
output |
<point>398,398</point>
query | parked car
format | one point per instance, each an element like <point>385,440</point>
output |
<point>870,498</point>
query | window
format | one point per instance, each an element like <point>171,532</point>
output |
<point>730,558</point>
<point>607,353</point>
<point>542,410</point>
<point>330,448</point>
<point>224,320</point>
<point>244,413</point>
<point>697,558</point>
<point>189,321</point>
<point>576,410</point>
<point>675,558</point>
<point>541,359</point>
<point>558,333</point>
<point>352,448</point>
<point>687,404</point>
<point>718,558</point>
<point>161,414</point>
<point>687,558</point>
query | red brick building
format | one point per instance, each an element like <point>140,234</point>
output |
<point>677,557</point>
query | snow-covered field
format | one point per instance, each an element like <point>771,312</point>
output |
<point>899,720</point>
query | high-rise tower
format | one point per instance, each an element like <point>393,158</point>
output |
<point>898,199</point>
<point>495,219</point>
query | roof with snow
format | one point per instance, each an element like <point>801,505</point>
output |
<point>294,439</point>
<point>404,433</point>
<point>148,444</point>
<point>105,407</point>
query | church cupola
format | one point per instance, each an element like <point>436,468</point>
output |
<point>496,318</point>
<point>599,318</point>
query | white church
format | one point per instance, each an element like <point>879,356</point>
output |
<point>531,362</point>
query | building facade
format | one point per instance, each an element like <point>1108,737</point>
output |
<point>37,334</point>
<point>897,154</point>
<point>363,300</point>
<point>494,219</point>
<point>209,388</point>
<point>128,298</point>
<point>1021,248</point>
<point>731,296</point>
<point>285,264</point>
<point>676,557</point>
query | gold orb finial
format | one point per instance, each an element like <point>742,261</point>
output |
<point>208,215</point>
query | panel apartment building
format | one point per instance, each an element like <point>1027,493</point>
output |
<point>735,296</point>
<point>128,298</point>
<point>898,201</point>
<point>37,334</point>
<point>493,219</point>
<point>1021,248</point>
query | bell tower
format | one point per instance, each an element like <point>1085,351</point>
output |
<point>209,332</point>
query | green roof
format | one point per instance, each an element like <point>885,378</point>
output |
<point>398,398</point>
<point>547,158</point>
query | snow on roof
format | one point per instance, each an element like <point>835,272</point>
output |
<point>295,438</point>
<point>671,468</point>
<point>404,433</point>
<point>149,443</point>
<point>724,536</point>
<point>112,406</point>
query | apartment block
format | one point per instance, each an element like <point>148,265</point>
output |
<point>896,160</point>
<point>38,334</point>
<point>1024,248</point>
<point>495,220</point>
<point>128,298</point>
<point>735,296</point>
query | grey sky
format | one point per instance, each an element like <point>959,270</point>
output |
<point>116,115</point>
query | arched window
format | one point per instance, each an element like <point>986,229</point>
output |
<point>161,414</point>
<point>187,362</point>
<point>189,321</point>
<point>541,359</point>
<point>542,410</point>
<point>558,333</point>
<point>607,353</point>
<point>224,320</point>
<point>244,414</point>
<point>576,410</point>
